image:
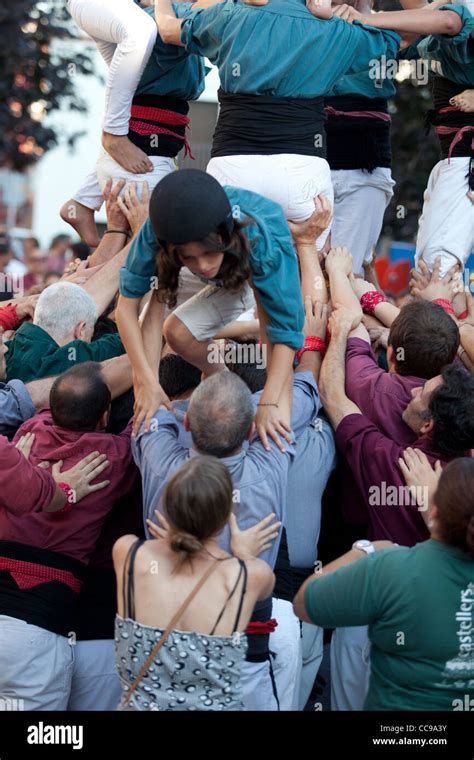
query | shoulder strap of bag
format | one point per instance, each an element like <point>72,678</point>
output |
<point>167,632</point>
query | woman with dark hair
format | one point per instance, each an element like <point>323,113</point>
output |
<point>239,245</point>
<point>418,602</point>
<point>184,603</point>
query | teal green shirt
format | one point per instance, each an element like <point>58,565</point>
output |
<point>450,57</point>
<point>171,70</point>
<point>273,261</point>
<point>364,83</point>
<point>281,49</point>
<point>33,354</point>
<point>419,605</point>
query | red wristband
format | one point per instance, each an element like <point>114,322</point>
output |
<point>464,314</point>
<point>70,498</point>
<point>8,317</point>
<point>445,304</point>
<point>370,300</point>
<point>311,343</point>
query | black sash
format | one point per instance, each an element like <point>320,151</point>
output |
<point>51,604</point>
<point>358,142</point>
<point>264,125</point>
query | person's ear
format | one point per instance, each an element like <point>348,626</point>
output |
<point>79,331</point>
<point>186,422</point>
<point>104,420</point>
<point>250,432</point>
<point>427,426</point>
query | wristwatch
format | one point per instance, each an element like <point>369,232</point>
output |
<point>365,546</point>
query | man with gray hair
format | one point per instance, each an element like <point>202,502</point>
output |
<point>220,419</point>
<point>60,336</point>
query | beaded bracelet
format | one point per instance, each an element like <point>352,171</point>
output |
<point>370,300</point>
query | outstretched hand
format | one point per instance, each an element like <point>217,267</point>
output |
<point>320,8</point>
<point>421,478</point>
<point>134,209</point>
<point>439,287</point>
<point>116,219</point>
<point>271,423</point>
<point>339,259</point>
<point>248,544</point>
<point>307,232</point>
<point>316,318</point>
<point>342,321</point>
<point>347,13</point>
<point>148,399</point>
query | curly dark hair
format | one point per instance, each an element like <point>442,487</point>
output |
<point>452,409</point>
<point>235,269</point>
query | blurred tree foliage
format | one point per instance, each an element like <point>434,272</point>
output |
<point>414,152</point>
<point>39,64</point>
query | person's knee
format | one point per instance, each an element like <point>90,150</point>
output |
<point>176,334</point>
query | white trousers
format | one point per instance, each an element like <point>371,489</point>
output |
<point>95,683</point>
<point>36,666</point>
<point>286,178</point>
<point>90,192</point>
<point>285,643</point>
<point>360,200</point>
<point>312,652</point>
<point>446,226</point>
<point>125,36</point>
<point>257,687</point>
<point>350,667</point>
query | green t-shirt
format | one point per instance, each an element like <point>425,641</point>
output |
<point>33,353</point>
<point>419,605</point>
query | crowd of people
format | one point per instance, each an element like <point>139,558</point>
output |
<point>226,454</point>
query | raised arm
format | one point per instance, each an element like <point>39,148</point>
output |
<point>315,324</point>
<point>169,27</point>
<point>410,21</point>
<point>333,374</point>
<point>305,236</point>
<point>339,269</point>
<point>148,392</point>
<point>384,311</point>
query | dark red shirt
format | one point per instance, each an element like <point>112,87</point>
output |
<point>381,396</point>
<point>373,460</point>
<point>23,487</point>
<point>74,533</point>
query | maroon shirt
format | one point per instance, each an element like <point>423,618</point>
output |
<point>74,533</point>
<point>23,487</point>
<point>373,459</point>
<point>381,396</point>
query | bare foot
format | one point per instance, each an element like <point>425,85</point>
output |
<point>320,8</point>
<point>464,101</point>
<point>82,220</point>
<point>122,150</point>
